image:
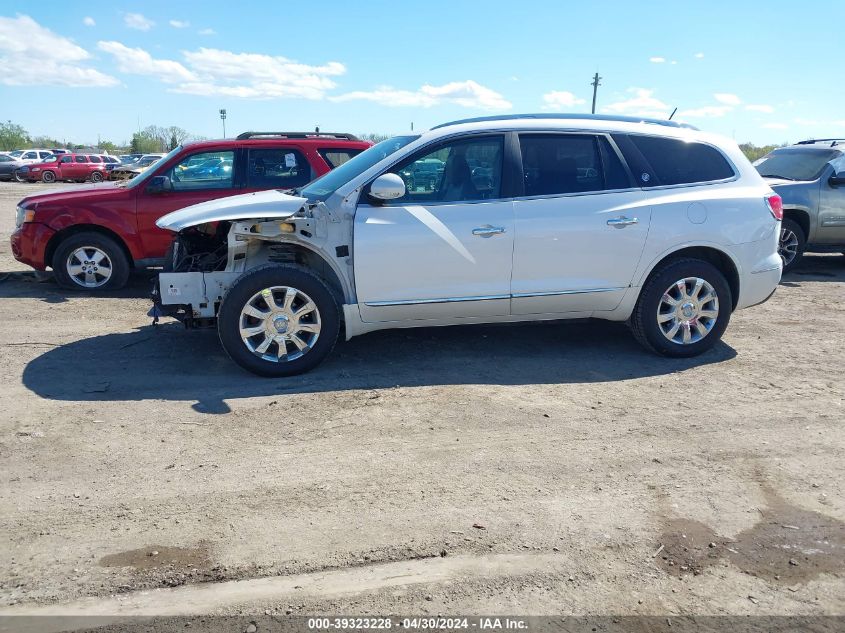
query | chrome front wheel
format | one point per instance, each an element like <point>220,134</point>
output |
<point>688,310</point>
<point>280,324</point>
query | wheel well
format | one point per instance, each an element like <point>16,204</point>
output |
<point>59,237</point>
<point>295,254</point>
<point>716,257</point>
<point>801,217</point>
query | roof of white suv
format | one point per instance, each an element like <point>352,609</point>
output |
<point>572,117</point>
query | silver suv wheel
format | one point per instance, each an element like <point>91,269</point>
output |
<point>279,324</point>
<point>688,310</point>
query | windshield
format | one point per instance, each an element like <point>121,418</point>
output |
<point>326,185</point>
<point>795,163</point>
<point>140,178</point>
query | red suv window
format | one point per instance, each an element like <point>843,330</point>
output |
<point>81,159</point>
<point>282,168</point>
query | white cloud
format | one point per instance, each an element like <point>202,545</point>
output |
<point>776,126</point>
<point>88,21</point>
<point>699,55</point>
<point>673,62</point>
<point>137,61</point>
<point>26,44</point>
<point>706,112</point>
<point>657,60</point>
<point>559,100</point>
<point>767,109</point>
<point>643,103</point>
<point>727,98</point>
<point>207,32</point>
<point>254,75</point>
<point>468,94</point>
<point>138,22</point>
<point>179,24</point>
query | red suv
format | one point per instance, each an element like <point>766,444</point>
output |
<point>92,237</point>
<point>79,167</point>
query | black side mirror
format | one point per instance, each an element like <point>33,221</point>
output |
<point>159,184</point>
<point>837,180</point>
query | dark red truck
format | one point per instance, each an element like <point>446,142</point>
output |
<point>93,236</point>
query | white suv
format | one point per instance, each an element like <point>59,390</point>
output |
<point>532,217</point>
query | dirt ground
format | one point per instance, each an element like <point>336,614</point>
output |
<point>531,469</point>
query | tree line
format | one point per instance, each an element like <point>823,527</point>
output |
<point>152,139</point>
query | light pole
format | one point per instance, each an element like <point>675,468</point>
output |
<point>223,118</point>
<point>595,84</point>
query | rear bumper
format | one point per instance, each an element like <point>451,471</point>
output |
<point>759,279</point>
<point>29,244</point>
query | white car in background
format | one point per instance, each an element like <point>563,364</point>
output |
<point>534,217</point>
<point>29,156</point>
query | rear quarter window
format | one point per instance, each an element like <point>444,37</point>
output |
<point>677,162</point>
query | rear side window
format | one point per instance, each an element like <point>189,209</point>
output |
<point>81,159</point>
<point>336,157</point>
<point>95,159</point>
<point>66,159</point>
<point>277,169</point>
<point>677,162</point>
<point>556,164</point>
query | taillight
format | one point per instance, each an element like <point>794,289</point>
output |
<point>775,204</point>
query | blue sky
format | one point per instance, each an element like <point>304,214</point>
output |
<point>763,72</point>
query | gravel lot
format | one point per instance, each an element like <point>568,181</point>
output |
<point>532,469</point>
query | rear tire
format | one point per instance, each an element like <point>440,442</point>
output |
<point>276,346</point>
<point>48,176</point>
<point>90,261</point>
<point>663,304</point>
<point>791,244</point>
<point>17,177</point>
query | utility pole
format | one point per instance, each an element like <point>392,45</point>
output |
<point>223,118</point>
<point>595,85</point>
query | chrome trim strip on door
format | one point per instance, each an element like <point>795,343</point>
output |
<point>407,302</point>
<point>521,295</point>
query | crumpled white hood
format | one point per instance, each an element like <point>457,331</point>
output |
<point>261,204</point>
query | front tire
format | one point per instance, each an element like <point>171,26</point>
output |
<point>791,244</point>
<point>48,176</point>
<point>90,261</point>
<point>96,177</point>
<point>683,309</point>
<point>278,320</point>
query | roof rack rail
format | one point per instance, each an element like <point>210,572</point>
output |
<point>343,135</point>
<point>832,141</point>
<point>579,116</point>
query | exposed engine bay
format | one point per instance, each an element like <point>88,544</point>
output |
<point>202,248</point>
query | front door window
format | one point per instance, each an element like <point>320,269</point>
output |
<point>460,171</point>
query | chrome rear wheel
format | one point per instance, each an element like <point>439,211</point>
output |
<point>688,310</point>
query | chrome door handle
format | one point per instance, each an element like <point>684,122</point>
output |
<point>621,223</point>
<point>487,231</point>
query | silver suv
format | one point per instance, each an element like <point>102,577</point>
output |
<point>534,217</point>
<point>810,177</point>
